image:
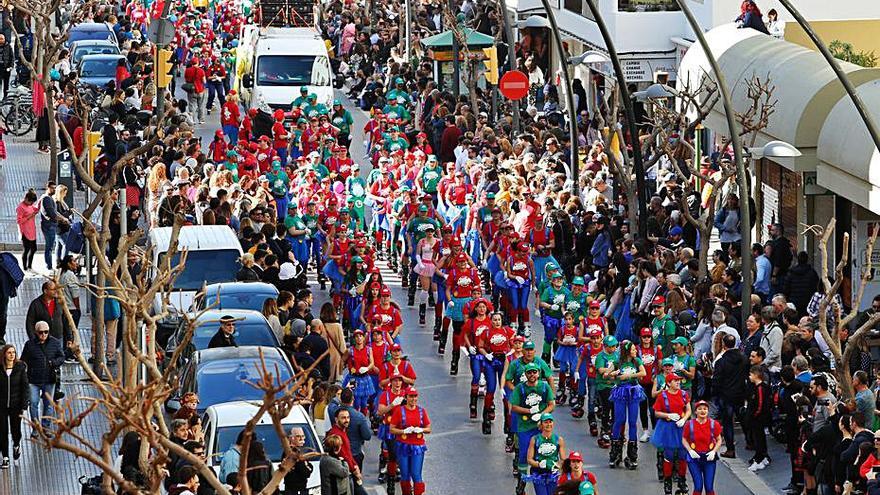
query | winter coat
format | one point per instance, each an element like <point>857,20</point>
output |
<point>729,376</point>
<point>42,359</point>
<point>771,342</point>
<point>799,285</point>
<point>37,311</point>
<point>334,476</point>
<point>14,390</point>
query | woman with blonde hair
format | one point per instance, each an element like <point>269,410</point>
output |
<point>270,311</point>
<point>64,213</point>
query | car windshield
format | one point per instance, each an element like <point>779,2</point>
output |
<point>293,70</point>
<point>98,68</point>
<point>81,52</point>
<point>82,34</point>
<point>253,332</point>
<point>226,436</point>
<point>229,299</point>
<point>206,267</point>
<point>226,381</point>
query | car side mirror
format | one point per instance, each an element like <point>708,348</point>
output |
<point>247,81</point>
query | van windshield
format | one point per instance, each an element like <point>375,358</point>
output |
<point>206,267</point>
<point>293,70</point>
<point>265,433</point>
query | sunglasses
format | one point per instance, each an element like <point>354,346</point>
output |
<point>45,332</point>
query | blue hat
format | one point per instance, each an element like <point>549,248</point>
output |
<point>675,231</point>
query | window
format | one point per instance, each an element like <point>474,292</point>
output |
<point>205,267</point>
<point>265,433</point>
<point>227,380</point>
<point>647,5</point>
<point>293,70</point>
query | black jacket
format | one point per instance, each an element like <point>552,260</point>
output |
<point>37,311</point>
<point>6,56</point>
<point>42,359</point>
<point>800,284</point>
<point>220,339</point>
<point>296,480</point>
<point>14,390</point>
<point>730,374</point>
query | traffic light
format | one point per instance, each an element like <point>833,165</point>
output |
<point>163,78</point>
<point>93,138</point>
<point>491,64</point>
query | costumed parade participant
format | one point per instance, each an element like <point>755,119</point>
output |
<point>546,449</point>
<point>672,408</point>
<point>552,304</point>
<point>360,363</point>
<point>702,440</point>
<point>626,395</point>
<point>606,363</point>
<point>461,281</point>
<point>492,347</point>
<point>529,401</point>
<point>410,423</point>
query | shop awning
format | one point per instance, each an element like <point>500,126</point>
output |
<point>806,87</point>
<point>443,41</point>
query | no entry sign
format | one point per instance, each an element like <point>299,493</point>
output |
<point>514,85</point>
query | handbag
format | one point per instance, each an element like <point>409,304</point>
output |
<point>188,87</point>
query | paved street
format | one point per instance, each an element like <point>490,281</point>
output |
<point>460,457</point>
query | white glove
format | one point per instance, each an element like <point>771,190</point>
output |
<point>555,307</point>
<point>693,454</point>
<point>710,456</point>
<point>673,417</point>
<point>538,312</point>
<point>535,409</point>
<point>353,292</point>
<point>363,369</point>
<point>397,401</point>
<point>536,417</point>
<point>577,376</point>
<point>418,429</point>
<point>519,280</point>
<point>680,423</point>
<point>543,464</point>
<point>409,429</point>
<point>484,265</point>
<point>472,350</point>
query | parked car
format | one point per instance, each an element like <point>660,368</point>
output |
<point>90,31</point>
<point>223,375</point>
<point>237,295</point>
<point>98,70</point>
<point>222,423</point>
<point>91,47</point>
<point>251,328</point>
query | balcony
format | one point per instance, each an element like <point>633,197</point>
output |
<point>647,5</point>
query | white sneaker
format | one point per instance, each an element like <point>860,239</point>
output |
<point>646,436</point>
<point>757,466</point>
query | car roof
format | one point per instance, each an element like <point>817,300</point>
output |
<point>245,314</point>
<point>82,43</point>
<point>217,354</point>
<point>238,413</point>
<point>241,288</point>
<point>196,237</point>
<point>91,26</point>
<point>102,56</point>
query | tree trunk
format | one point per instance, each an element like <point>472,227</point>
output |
<point>53,134</point>
<point>704,250</point>
<point>632,204</point>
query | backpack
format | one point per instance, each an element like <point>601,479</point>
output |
<point>76,239</point>
<point>9,265</point>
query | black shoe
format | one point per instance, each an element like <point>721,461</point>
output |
<point>453,368</point>
<point>5,463</point>
<point>521,487</point>
<point>16,452</point>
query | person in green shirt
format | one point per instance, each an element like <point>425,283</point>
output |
<point>316,164</point>
<point>356,187</point>
<point>302,100</point>
<point>553,305</point>
<point>528,401</point>
<point>684,365</point>
<point>516,369</point>
<point>279,184</point>
<point>394,141</point>
<point>662,326</point>
<point>626,395</point>
<point>577,301</point>
<point>297,234</point>
<point>398,91</point>
<point>606,365</point>
<point>342,120</point>
<point>396,109</point>
<point>314,240</point>
<point>546,452</point>
<point>313,108</point>
<point>430,175</point>
<point>550,269</point>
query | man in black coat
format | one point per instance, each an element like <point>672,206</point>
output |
<point>46,308</point>
<point>43,354</point>
<point>225,334</point>
<point>729,383</point>
<point>800,283</point>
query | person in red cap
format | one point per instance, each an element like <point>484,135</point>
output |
<point>672,409</point>
<point>701,439</point>
<point>370,299</point>
<point>447,249</point>
<point>388,314</point>
<point>519,274</point>
<point>585,376</point>
<point>360,363</point>
<point>392,396</point>
<point>461,281</point>
<point>662,326</point>
<point>572,472</point>
<point>651,355</point>
<point>396,365</point>
<point>492,348</point>
<point>478,323</point>
<point>280,137</point>
<point>410,423</point>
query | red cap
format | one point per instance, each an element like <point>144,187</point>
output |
<point>671,377</point>
<point>395,347</point>
<point>519,338</point>
<point>396,376</point>
<point>645,331</point>
<point>412,391</point>
<point>265,138</point>
<point>701,403</point>
<point>385,291</point>
<point>575,456</point>
<point>446,228</point>
<point>455,242</point>
<point>659,301</point>
<point>375,285</point>
<point>595,303</point>
<point>358,331</point>
<point>524,247</point>
<point>279,114</point>
<point>461,258</point>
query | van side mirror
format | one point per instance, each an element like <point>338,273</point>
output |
<point>247,81</point>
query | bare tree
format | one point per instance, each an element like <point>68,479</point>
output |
<point>842,350</point>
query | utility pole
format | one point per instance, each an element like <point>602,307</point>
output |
<point>456,64</point>
<point>160,91</point>
<point>511,60</point>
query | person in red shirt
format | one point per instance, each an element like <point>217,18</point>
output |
<point>651,356</point>
<point>360,364</point>
<point>195,75</point>
<point>410,423</point>
<point>519,273</point>
<point>264,154</point>
<point>217,148</point>
<point>215,75</point>
<point>573,470</point>
<point>391,398</point>
<point>493,346</point>
<point>702,440</point>
<point>396,366</point>
<point>585,376</point>
<point>230,117</point>
<point>672,409</point>
<point>340,429</point>
<point>280,137</point>
<point>247,124</point>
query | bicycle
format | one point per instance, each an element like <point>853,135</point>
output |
<point>16,110</point>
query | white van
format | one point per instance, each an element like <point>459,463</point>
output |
<point>274,63</point>
<point>213,254</point>
<point>223,422</point>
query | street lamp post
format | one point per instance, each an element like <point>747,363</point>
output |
<point>835,66</point>
<point>638,164</point>
<point>574,162</point>
<point>511,60</point>
<point>742,178</point>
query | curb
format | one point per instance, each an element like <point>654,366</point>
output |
<point>752,482</point>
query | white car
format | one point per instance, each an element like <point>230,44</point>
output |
<point>223,422</point>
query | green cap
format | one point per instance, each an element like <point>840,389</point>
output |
<point>423,209</point>
<point>577,281</point>
<point>490,195</point>
<point>357,259</point>
<point>404,188</point>
<point>557,275</point>
<point>313,96</point>
<point>304,89</point>
<point>336,102</point>
<point>546,417</point>
<point>531,366</point>
<point>610,341</point>
<point>586,488</point>
<point>529,345</point>
<point>680,341</point>
<point>399,80</point>
<point>344,209</point>
<point>301,120</point>
<point>667,362</point>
